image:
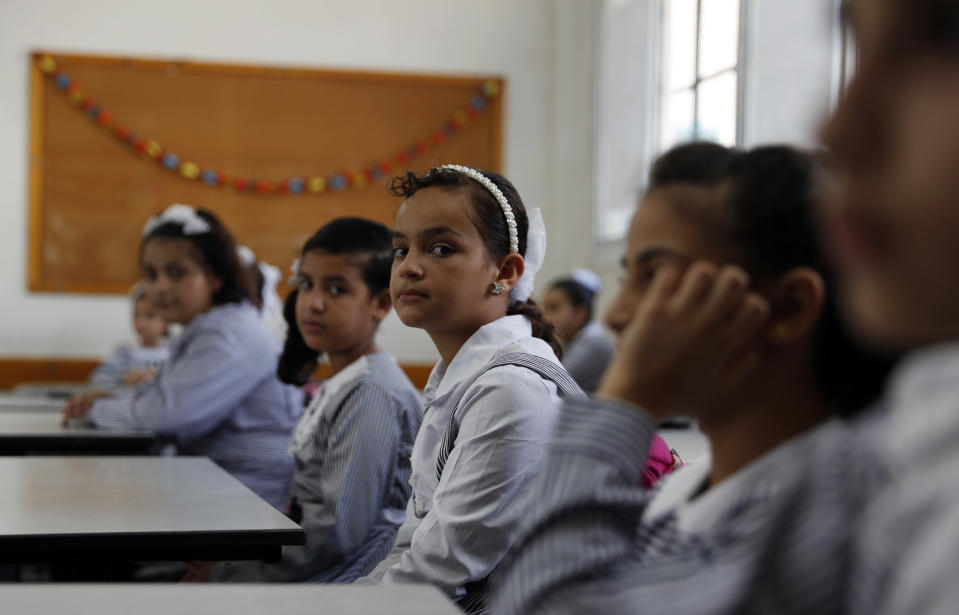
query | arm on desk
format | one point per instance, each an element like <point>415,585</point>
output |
<point>191,395</point>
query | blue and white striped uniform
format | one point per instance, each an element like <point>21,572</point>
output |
<point>774,538</point>
<point>218,396</point>
<point>461,524</point>
<point>126,358</point>
<point>351,484</point>
<point>587,355</point>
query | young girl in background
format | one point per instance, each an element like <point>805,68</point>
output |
<point>264,277</point>
<point>131,364</point>
<point>726,315</point>
<point>218,394</point>
<point>352,446</point>
<point>568,304</point>
<point>465,253</point>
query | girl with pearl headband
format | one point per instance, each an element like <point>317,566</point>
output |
<point>465,254</point>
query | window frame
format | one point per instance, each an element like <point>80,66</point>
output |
<point>607,248</point>
<point>739,69</point>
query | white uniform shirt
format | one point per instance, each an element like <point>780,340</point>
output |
<point>459,527</point>
<point>907,548</point>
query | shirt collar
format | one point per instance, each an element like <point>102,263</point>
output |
<point>334,383</point>
<point>476,352</point>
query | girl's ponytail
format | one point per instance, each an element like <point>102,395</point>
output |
<point>298,360</point>
<point>542,328</point>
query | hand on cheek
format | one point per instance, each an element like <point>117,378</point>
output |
<point>688,341</point>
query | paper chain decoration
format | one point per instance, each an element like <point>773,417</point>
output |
<point>152,150</point>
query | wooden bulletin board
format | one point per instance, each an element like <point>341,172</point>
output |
<point>91,192</point>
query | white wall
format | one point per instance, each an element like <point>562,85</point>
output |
<point>544,48</point>
<point>789,70</point>
<point>548,50</point>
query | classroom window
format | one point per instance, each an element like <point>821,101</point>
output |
<point>669,71</point>
<point>700,72</point>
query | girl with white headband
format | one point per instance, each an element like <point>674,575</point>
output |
<point>465,252</point>
<point>218,394</point>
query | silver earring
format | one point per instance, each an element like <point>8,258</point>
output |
<point>497,288</point>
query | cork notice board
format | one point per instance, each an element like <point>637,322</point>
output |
<point>91,192</point>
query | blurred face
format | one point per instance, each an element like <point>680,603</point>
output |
<point>334,309</point>
<point>659,235</point>
<point>149,325</point>
<point>442,273</point>
<point>894,212</point>
<point>567,318</point>
<point>176,284</point>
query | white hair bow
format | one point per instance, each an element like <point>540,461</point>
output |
<point>535,254</point>
<point>184,215</point>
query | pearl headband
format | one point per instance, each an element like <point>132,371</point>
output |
<point>535,235</point>
<point>498,195</point>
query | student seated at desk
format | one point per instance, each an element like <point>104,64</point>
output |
<point>131,364</point>
<point>465,254</point>
<point>352,446</point>
<point>727,315</point>
<point>218,394</point>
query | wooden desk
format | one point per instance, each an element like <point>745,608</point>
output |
<point>226,600</point>
<point>33,432</point>
<point>133,508</point>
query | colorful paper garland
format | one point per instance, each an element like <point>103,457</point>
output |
<point>314,184</point>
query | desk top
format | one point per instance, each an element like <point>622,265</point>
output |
<point>28,422</point>
<point>31,432</point>
<point>83,495</point>
<point>130,503</point>
<point>204,599</point>
<point>21,403</point>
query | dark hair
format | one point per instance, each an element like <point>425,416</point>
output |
<point>369,240</point>
<point>929,24</point>
<point>699,163</point>
<point>578,295</point>
<point>491,223</point>
<point>298,360</point>
<point>362,237</point>
<point>215,252</point>
<point>257,282</point>
<point>768,199</point>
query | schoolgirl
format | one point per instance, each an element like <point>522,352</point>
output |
<point>218,394</point>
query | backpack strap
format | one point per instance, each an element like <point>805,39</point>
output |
<point>477,592</point>
<point>546,369</point>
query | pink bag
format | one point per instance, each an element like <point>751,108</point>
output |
<point>660,462</point>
